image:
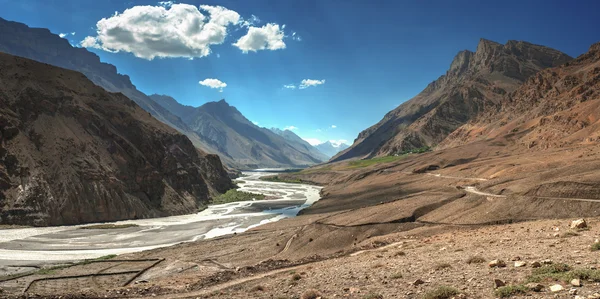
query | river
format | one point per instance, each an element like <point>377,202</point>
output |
<point>69,243</point>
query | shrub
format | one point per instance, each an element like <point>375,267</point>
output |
<point>311,294</point>
<point>476,260</point>
<point>442,292</point>
<point>510,290</point>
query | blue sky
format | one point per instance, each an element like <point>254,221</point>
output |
<point>372,55</point>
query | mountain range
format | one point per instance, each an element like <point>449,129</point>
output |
<point>214,127</point>
<point>330,149</point>
<point>72,152</point>
<point>224,130</point>
<point>475,81</point>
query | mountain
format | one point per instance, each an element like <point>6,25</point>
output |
<point>224,130</point>
<point>555,108</point>
<point>41,45</point>
<point>71,152</point>
<point>329,149</point>
<point>300,143</point>
<point>475,81</point>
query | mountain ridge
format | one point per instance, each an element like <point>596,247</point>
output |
<point>72,152</point>
<point>473,81</point>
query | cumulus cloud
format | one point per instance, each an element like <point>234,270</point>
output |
<point>306,83</point>
<point>337,143</point>
<point>213,83</point>
<point>290,86</point>
<point>333,126</point>
<point>291,128</point>
<point>313,141</point>
<point>167,30</point>
<point>255,123</point>
<point>267,37</point>
<point>253,20</point>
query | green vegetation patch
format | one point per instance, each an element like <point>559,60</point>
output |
<point>109,226</point>
<point>510,290</point>
<point>234,195</point>
<point>442,292</point>
<point>278,179</point>
<point>595,246</point>
<point>563,273</point>
<point>374,161</point>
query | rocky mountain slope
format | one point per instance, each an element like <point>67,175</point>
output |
<point>226,131</point>
<point>41,45</point>
<point>555,108</point>
<point>475,80</point>
<point>329,149</point>
<point>71,152</point>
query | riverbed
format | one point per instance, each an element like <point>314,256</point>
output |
<point>70,243</point>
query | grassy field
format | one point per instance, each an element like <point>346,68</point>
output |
<point>109,226</point>
<point>374,161</point>
<point>234,195</point>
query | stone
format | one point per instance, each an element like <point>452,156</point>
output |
<point>418,282</point>
<point>498,283</point>
<point>576,282</point>
<point>536,265</point>
<point>579,223</point>
<point>519,264</point>
<point>536,287</point>
<point>556,288</point>
<point>547,262</point>
<point>573,291</point>
<point>516,258</point>
<point>497,264</point>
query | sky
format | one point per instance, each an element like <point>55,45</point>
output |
<point>326,69</point>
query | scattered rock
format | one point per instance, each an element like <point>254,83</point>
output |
<point>418,282</point>
<point>497,264</point>
<point>579,223</point>
<point>594,296</point>
<point>498,283</point>
<point>556,288</point>
<point>547,262</point>
<point>536,287</point>
<point>573,291</point>
<point>519,264</point>
<point>536,265</point>
<point>516,258</point>
<point>576,282</point>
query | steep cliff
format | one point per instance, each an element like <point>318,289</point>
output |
<point>71,152</point>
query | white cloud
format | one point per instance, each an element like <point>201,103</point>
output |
<point>333,126</point>
<point>255,123</point>
<point>63,35</point>
<point>313,141</point>
<point>291,128</point>
<point>213,83</point>
<point>267,37</point>
<point>296,37</point>
<point>218,55</point>
<point>318,130</point>
<point>165,3</point>
<point>253,20</point>
<point>168,30</point>
<point>290,86</point>
<point>306,83</point>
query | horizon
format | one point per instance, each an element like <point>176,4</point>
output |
<point>307,68</point>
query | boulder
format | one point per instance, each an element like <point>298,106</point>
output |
<point>576,282</point>
<point>497,264</point>
<point>498,283</point>
<point>579,223</point>
<point>556,288</point>
<point>519,264</point>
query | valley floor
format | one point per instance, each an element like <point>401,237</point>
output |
<point>380,228</point>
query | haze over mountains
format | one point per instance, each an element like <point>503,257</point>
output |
<point>330,149</point>
<point>475,80</point>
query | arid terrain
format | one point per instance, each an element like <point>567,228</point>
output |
<point>378,229</point>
